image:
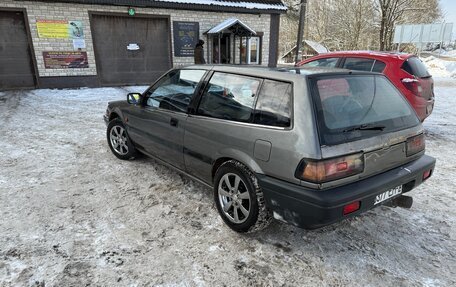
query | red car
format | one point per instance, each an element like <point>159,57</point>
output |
<point>405,71</point>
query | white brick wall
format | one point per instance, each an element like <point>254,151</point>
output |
<point>78,12</point>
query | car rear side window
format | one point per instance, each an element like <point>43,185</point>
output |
<point>415,67</point>
<point>273,107</point>
<point>352,107</point>
<point>230,97</point>
<point>379,66</point>
<point>327,62</point>
<point>358,64</point>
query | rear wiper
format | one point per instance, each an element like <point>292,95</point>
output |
<point>365,128</point>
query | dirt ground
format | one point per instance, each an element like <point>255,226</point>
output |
<point>72,214</point>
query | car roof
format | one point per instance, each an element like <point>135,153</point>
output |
<point>376,54</point>
<point>284,73</point>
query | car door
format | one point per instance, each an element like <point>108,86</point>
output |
<point>158,125</point>
<point>218,123</point>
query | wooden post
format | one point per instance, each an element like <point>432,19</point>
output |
<point>302,17</point>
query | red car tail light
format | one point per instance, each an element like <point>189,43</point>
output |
<point>413,85</point>
<point>415,144</point>
<point>427,174</point>
<point>331,169</point>
<point>352,207</point>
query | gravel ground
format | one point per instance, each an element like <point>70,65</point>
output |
<point>72,214</point>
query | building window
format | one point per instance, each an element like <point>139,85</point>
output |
<point>250,50</point>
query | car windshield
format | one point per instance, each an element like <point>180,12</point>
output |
<point>352,107</point>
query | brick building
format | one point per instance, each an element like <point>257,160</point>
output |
<point>118,42</point>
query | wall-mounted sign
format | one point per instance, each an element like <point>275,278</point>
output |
<point>79,44</point>
<point>65,60</point>
<point>133,47</point>
<point>60,29</point>
<point>131,11</point>
<point>75,29</point>
<point>186,35</point>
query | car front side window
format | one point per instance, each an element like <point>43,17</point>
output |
<point>326,62</point>
<point>175,90</point>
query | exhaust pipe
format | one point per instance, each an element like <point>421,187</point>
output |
<point>401,201</point>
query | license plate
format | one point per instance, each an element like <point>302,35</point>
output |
<point>388,194</point>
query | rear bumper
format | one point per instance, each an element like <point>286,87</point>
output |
<point>310,209</point>
<point>423,107</point>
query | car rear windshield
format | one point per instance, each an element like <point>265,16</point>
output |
<point>353,107</point>
<point>415,67</point>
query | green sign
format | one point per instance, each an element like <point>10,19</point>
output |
<point>131,11</point>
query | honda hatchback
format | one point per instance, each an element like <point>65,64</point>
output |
<point>306,147</point>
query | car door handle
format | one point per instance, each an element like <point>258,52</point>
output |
<point>173,122</point>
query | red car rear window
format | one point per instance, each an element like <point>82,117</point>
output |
<point>415,67</point>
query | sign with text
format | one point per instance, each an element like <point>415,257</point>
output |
<point>79,44</point>
<point>59,29</point>
<point>186,35</point>
<point>65,60</point>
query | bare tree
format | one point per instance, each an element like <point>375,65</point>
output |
<point>406,11</point>
<point>390,12</point>
<point>355,24</point>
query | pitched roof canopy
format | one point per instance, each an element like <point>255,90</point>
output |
<point>235,26</point>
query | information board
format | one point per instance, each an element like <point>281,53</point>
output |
<point>186,35</point>
<point>423,33</point>
<point>60,29</point>
<point>65,60</point>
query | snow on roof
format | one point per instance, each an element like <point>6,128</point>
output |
<point>229,23</point>
<point>239,4</point>
<point>319,48</point>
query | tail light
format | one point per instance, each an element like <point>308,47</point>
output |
<point>352,207</point>
<point>413,85</point>
<point>427,174</point>
<point>331,169</point>
<point>415,144</point>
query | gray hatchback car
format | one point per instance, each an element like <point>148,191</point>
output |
<point>307,147</point>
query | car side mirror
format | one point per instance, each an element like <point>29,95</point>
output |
<point>134,98</point>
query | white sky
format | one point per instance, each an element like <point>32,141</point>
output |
<point>449,13</point>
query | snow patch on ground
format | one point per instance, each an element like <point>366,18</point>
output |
<point>450,53</point>
<point>440,67</point>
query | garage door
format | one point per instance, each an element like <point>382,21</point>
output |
<point>16,68</point>
<point>147,55</point>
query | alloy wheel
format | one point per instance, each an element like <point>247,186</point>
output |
<point>234,198</point>
<point>118,138</point>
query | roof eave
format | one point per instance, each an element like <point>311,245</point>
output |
<point>172,5</point>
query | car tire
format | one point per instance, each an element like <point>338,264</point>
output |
<point>239,198</point>
<point>118,140</point>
